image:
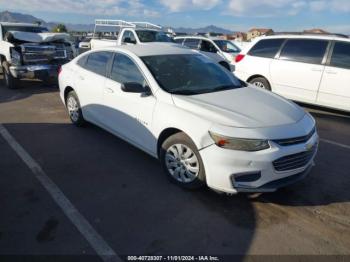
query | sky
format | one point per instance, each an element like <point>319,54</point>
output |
<point>236,15</point>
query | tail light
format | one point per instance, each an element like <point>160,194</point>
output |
<point>59,70</point>
<point>239,58</point>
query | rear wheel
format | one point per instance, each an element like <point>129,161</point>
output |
<point>261,82</point>
<point>74,109</point>
<point>182,162</point>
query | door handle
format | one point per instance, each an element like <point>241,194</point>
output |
<point>316,70</point>
<point>331,72</point>
<point>81,78</point>
<point>109,90</point>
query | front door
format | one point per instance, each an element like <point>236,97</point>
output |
<point>129,114</point>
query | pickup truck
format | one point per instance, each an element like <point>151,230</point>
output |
<point>130,33</point>
<point>30,51</point>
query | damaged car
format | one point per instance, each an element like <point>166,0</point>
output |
<point>31,51</point>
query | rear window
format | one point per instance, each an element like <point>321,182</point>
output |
<point>341,55</point>
<point>266,48</point>
<point>304,50</point>
<point>192,43</point>
<point>97,62</point>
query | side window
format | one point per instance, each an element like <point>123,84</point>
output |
<point>82,61</point>
<point>97,62</point>
<point>341,55</point>
<point>126,35</point>
<point>124,70</point>
<point>179,41</point>
<point>304,50</point>
<point>192,43</point>
<point>206,46</point>
<point>267,48</point>
<point>132,37</point>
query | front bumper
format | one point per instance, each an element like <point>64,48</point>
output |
<point>224,168</point>
<point>34,71</point>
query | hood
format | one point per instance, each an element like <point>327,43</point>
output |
<point>242,107</point>
<point>38,37</point>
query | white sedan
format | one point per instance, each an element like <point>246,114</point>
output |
<point>202,123</point>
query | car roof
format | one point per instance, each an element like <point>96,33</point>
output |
<point>20,24</point>
<point>306,36</point>
<point>152,49</point>
<point>198,37</point>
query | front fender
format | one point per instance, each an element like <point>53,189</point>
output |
<point>170,116</point>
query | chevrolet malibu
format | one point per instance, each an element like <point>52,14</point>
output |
<point>204,125</point>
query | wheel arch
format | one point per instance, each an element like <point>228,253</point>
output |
<point>67,89</point>
<point>257,76</point>
<point>166,133</point>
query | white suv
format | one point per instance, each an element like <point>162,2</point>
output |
<point>305,68</point>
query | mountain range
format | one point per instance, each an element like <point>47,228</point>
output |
<point>7,16</point>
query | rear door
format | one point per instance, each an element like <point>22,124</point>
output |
<point>90,79</point>
<point>297,71</point>
<point>335,86</point>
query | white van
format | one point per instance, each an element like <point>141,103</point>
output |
<point>314,69</point>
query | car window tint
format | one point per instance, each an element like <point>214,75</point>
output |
<point>124,70</point>
<point>341,55</point>
<point>97,62</point>
<point>82,61</point>
<point>179,41</point>
<point>266,48</point>
<point>192,43</point>
<point>127,34</point>
<point>206,46</point>
<point>304,50</point>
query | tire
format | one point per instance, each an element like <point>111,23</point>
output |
<point>261,82</point>
<point>225,65</point>
<point>185,169</point>
<point>9,80</point>
<point>74,109</point>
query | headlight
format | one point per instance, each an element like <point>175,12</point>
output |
<point>241,144</point>
<point>15,57</point>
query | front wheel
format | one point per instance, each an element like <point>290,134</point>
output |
<point>74,109</point>
<point>10,81</point>
<point>182,162</point>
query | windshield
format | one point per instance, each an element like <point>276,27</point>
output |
<point>28,29</point>
<point>189,74</point>
<point>227,46</point>
<point>147,36</point>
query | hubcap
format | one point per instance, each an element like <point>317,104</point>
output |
<point>73,109</point>
<point>259,84</point>
<point>182,163</point>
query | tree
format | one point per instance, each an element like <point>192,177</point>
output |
<point>60,28</point>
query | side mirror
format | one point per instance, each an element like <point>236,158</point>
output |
<point>129,41</point>
<point>132,87</point>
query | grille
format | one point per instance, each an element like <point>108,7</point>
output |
<point>296,140</point>
<point>295,161</point>
<point>43,53</point>
<point>34,57</point>
<point>60,54</point>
